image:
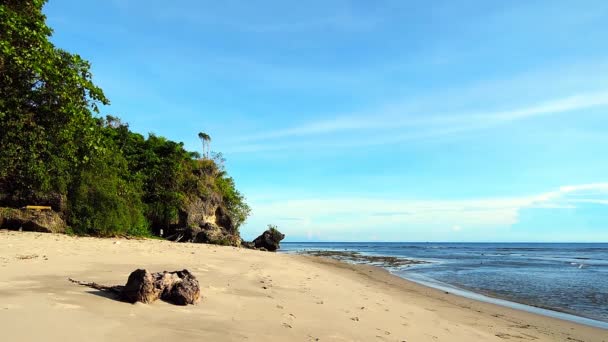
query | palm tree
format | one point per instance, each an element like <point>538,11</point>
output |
<point>206,140</point>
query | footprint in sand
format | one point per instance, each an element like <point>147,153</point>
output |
<point>289,316</point>
<point>385,331</point>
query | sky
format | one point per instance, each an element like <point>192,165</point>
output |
<point>382,120</point>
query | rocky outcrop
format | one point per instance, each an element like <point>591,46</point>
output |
<point>209,233</point>
<point>269,240</point>
<point>205,221</point>
<point>179,287</point>
<point>46,221</point>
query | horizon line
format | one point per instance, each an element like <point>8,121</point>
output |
<point>555,242</point>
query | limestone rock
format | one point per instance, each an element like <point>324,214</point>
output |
<point>45,221</point>
<point>204,221</point>
<point>269,240</point>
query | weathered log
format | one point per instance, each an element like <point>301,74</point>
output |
<point>117,289</point>
<point>185,292</point>
<point>179,287</point>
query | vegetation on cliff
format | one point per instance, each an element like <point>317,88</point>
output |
<point>55,149</point>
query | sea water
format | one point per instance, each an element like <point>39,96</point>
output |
<point>569,278</point>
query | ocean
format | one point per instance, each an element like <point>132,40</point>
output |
<point>565,280</point>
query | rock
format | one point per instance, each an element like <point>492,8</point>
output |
<point>179,287</point>
<point>197,211</point>
<point>141,287</point>
<point>57,201</point>
<point>204,221</point>
<point>246,244</point>
<point>269,240</point>
<point>206,233</point>
<point>45,221</point>
<point>223,220</point>
<point>214,234</point>
<point>185,292</point>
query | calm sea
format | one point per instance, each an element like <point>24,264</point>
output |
<point>569,278</point>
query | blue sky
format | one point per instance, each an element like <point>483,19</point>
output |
<point>372,120</point>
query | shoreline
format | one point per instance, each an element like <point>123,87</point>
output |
<point>404,267</point>
<point>384,276</point>
<point>247,296</point>
<point>511,303</point>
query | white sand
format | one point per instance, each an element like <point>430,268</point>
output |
<point>304,299</point>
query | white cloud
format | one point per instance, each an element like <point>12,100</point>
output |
<point>570,103</point>
<point>339,215</point>
<point>412,123</point>
<point>400,117</point>
<point>591,201</point>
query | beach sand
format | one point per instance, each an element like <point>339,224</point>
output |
<point>247,296</point>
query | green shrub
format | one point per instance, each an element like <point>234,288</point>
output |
<point>104,204</point>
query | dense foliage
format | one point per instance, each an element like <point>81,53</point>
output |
<point>104,178</point>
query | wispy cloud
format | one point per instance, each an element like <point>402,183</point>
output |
<point>556,106</point>
<point>390,118</point>
<point>404,124</point>
<point>338,215</point>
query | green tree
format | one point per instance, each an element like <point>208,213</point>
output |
<point>206,140</point>
<point>104,202</point>
<point>233,199</point>
<point>46,100</point>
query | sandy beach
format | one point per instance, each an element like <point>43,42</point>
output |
<point>247,295</point>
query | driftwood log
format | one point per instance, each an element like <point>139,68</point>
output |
<point>179,287</point>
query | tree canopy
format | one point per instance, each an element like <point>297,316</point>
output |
<point>103,177</point>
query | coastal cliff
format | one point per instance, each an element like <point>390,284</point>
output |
<point>99,177</point>
<point>207,208</point>
<point>205,220</point>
